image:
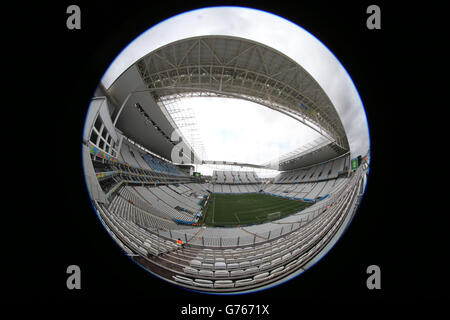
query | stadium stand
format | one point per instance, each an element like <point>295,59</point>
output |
<point>140,216</point>
<point>234,177</point>
<point>147,203</point>
<point>244,258</point>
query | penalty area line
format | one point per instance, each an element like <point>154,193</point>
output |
<point>239,221</point>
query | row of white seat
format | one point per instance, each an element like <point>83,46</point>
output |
<point>132,236</point>
<point>271,258</point>
<point>223,284</point>
<point>185,191</point>
<point>304,190</point>
<point>329,170</point>
<point>274,254</point>
<point>181,200</point>
<point>332,224</point>
<point>125,209</point>
<point>148,196</point>
<point>235,188</point>
<point>257,271</point>
<point>234,176</point>
<point>132,156</point>
<point>261,276</point>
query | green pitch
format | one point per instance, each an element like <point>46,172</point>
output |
<point>245,209</point>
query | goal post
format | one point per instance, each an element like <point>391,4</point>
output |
<point>273,215</point>
<point>268,217</point>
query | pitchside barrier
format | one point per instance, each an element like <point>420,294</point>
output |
<point>283,229</point>
<point>183,222</point>
<point>253,238</point>
<point>298,199</point>
<point>278,196</point>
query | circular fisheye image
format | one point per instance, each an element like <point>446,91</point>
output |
<point>226,150</point>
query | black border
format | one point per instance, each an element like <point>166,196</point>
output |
<point>59,227</point>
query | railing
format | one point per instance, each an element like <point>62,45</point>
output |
<point>342,203</point>
<point>286,227</point>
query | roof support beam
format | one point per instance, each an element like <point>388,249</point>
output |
<point>239,67</point>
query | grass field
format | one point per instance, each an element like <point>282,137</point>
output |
<point>245,209</point>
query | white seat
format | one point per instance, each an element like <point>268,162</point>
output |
<point>153,251</point>
<point>232,265</point>
<point>277,270</point>
<point>203,283</point>
<point>261,276</point>
<point>256,262</point>
<point>190,270</point>
<point>220,265</point>
<point>238,272</point>
<point>183,279</point>
<point>223,284</point>
<point>206,273</point>
<point>264,266</point>
<point>291,264</point>
<point>286,256</point>
<point>244,282</point>
<point>208,265</point>
<point>221,273</point>
<point>147,244</point>
<point>251,270</point>
<point>142,251</point>
<point>276,261</point>
<point>195,263</point>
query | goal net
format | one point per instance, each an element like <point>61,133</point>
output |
<point>269,217</point>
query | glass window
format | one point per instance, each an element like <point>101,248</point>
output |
<point>94,137</point>
<point>98,123</point>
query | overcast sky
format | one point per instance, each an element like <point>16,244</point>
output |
<point>245,131</point>
<point>274,32</point>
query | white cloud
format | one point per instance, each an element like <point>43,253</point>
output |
<point>242,131</point>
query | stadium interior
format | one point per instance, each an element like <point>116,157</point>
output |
<point>147,202</point>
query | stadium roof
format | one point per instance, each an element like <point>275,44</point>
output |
<point>223,66</point>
